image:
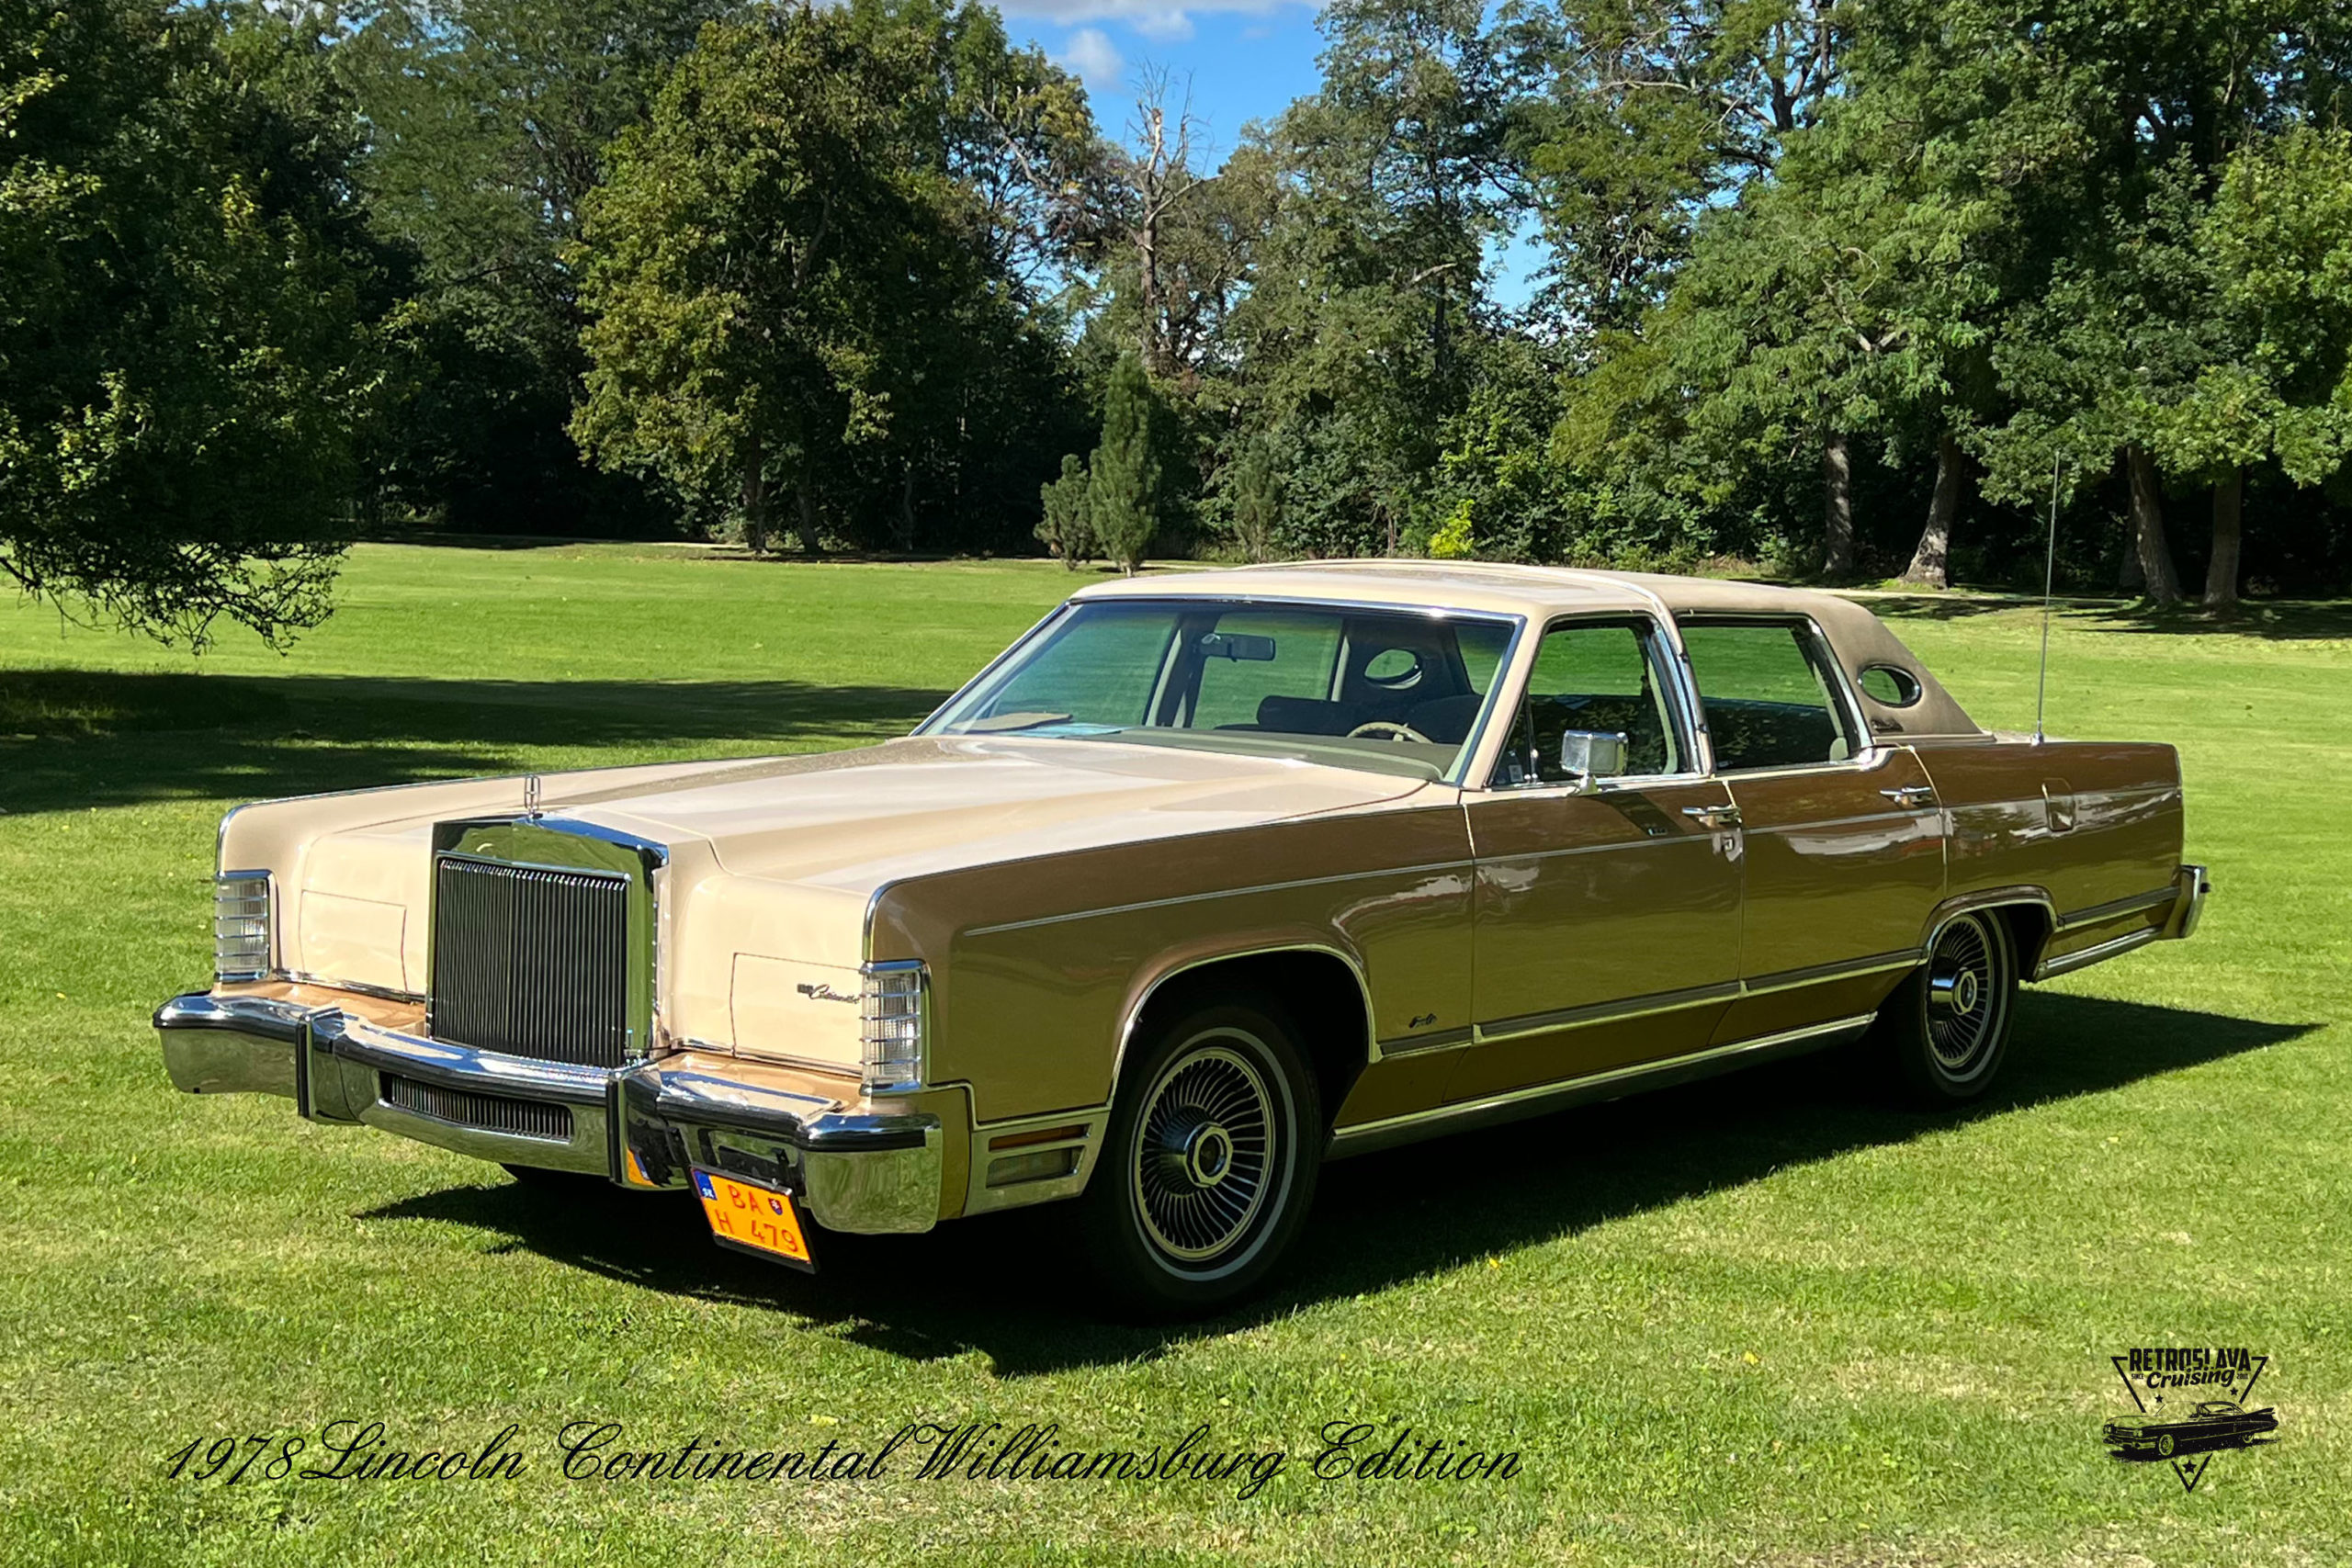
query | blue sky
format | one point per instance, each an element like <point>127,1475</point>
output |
<point>1245,59</point>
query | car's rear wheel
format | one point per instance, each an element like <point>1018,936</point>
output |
<point>1208,1165</point>
<point>1946,1027</point>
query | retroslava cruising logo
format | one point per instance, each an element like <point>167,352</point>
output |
<point>2190,1401</point>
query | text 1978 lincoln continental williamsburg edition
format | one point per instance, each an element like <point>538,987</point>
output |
<point>1207,880</point>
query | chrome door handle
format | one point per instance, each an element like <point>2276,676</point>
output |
<point>1713,815</point>
<point>1909,796</point>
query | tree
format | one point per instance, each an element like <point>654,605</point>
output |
<point>768,247</point>
<point>2278,237</point>
<point>487,124</point>
<point>984,396</point>
<point>1253,493</point>
<point>1154,178</point>
<point>2115,124</point>
<point>1123,489</point>
<point>1066,530</point>
<point>188,323</point>
<point>1365,319</point>
<point>1652,113</point>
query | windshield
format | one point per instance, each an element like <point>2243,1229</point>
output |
<point>1384,690</point>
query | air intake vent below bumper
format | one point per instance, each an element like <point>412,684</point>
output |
<point>489,1113</point>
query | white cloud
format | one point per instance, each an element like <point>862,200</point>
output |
<point>1095,58</point>
<point>1163,26</point>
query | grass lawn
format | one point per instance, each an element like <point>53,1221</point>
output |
<point>1765,1320</point>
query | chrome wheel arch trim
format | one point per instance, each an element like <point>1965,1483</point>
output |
<point>1136,1009</point>
<point>2019,896</point>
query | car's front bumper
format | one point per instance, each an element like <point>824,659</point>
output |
<point>856,1167</point>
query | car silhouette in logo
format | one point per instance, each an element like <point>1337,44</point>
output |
<point>2215,1423</point>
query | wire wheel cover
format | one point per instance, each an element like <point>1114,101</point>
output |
<point>1205,1153</point>
<point>1966,997</point>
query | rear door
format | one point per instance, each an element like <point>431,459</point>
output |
<point>1844,839</point>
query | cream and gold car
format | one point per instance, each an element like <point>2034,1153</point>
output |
<point>1207,880</point>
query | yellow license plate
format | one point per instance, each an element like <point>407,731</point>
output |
<point>755,1218</point>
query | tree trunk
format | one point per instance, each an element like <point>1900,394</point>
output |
<point>2229,513</point>
<point>907,511</point>
<point>1930,563</point>
<point>755,499</point>
<point>808,500</point>
<point>1148,270</point>
<point>2160,582</point>
<point>1837,505</point>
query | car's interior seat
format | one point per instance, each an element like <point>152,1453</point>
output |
<point>1309,716</point>
<point>1446,720</point>
<point>1749,734</point>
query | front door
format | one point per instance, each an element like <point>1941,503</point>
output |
<point>1606,925</point>
<point>1845,841</point>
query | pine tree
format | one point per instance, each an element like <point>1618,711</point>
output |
<point>1123,495</point>
<point>1065,529</point>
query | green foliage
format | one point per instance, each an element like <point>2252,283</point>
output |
<point>1453,540</point>
<point>1252,495</point>
<point>793,291</point>
<point>1123,485</point>
<point>1067,529</point>
<point>488,123</point>
<point>1650,113</point>
<point>188,315</point>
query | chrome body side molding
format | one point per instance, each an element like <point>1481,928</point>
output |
<point>1541,1099</point>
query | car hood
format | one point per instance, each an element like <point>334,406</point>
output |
<point>771,863</point>
<point>854,820</point>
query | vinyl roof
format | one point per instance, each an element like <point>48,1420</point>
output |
<point>1540,592</point>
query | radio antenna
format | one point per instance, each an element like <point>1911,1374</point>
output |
<point>2049,578</point>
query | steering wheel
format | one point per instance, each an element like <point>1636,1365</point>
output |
<point>1395,731</point>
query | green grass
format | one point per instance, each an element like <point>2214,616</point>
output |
<point>1765,1320</point>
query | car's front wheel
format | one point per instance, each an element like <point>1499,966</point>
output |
<point>1947,1027</point>
<point>2165,1446</point>
<point>1208,1165</point>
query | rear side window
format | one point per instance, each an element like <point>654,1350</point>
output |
<point>1769,692</point>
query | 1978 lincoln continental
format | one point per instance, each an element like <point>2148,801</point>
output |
<point>1207,880</point>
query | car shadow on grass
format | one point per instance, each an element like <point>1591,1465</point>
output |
<point>71,739</point>
<point>1012,1286</point>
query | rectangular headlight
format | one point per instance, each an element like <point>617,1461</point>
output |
<point>241,949</point>
<point>892,1016</point>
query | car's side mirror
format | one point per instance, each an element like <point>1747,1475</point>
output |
<point>1589,756</point>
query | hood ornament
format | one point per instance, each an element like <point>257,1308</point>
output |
<point>530,794</point>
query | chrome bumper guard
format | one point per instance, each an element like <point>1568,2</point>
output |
<point>2191,888</point>
<point>861,1171</point>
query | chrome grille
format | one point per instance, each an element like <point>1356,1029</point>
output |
<point>490,1112</point>
<point>532,962</point>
